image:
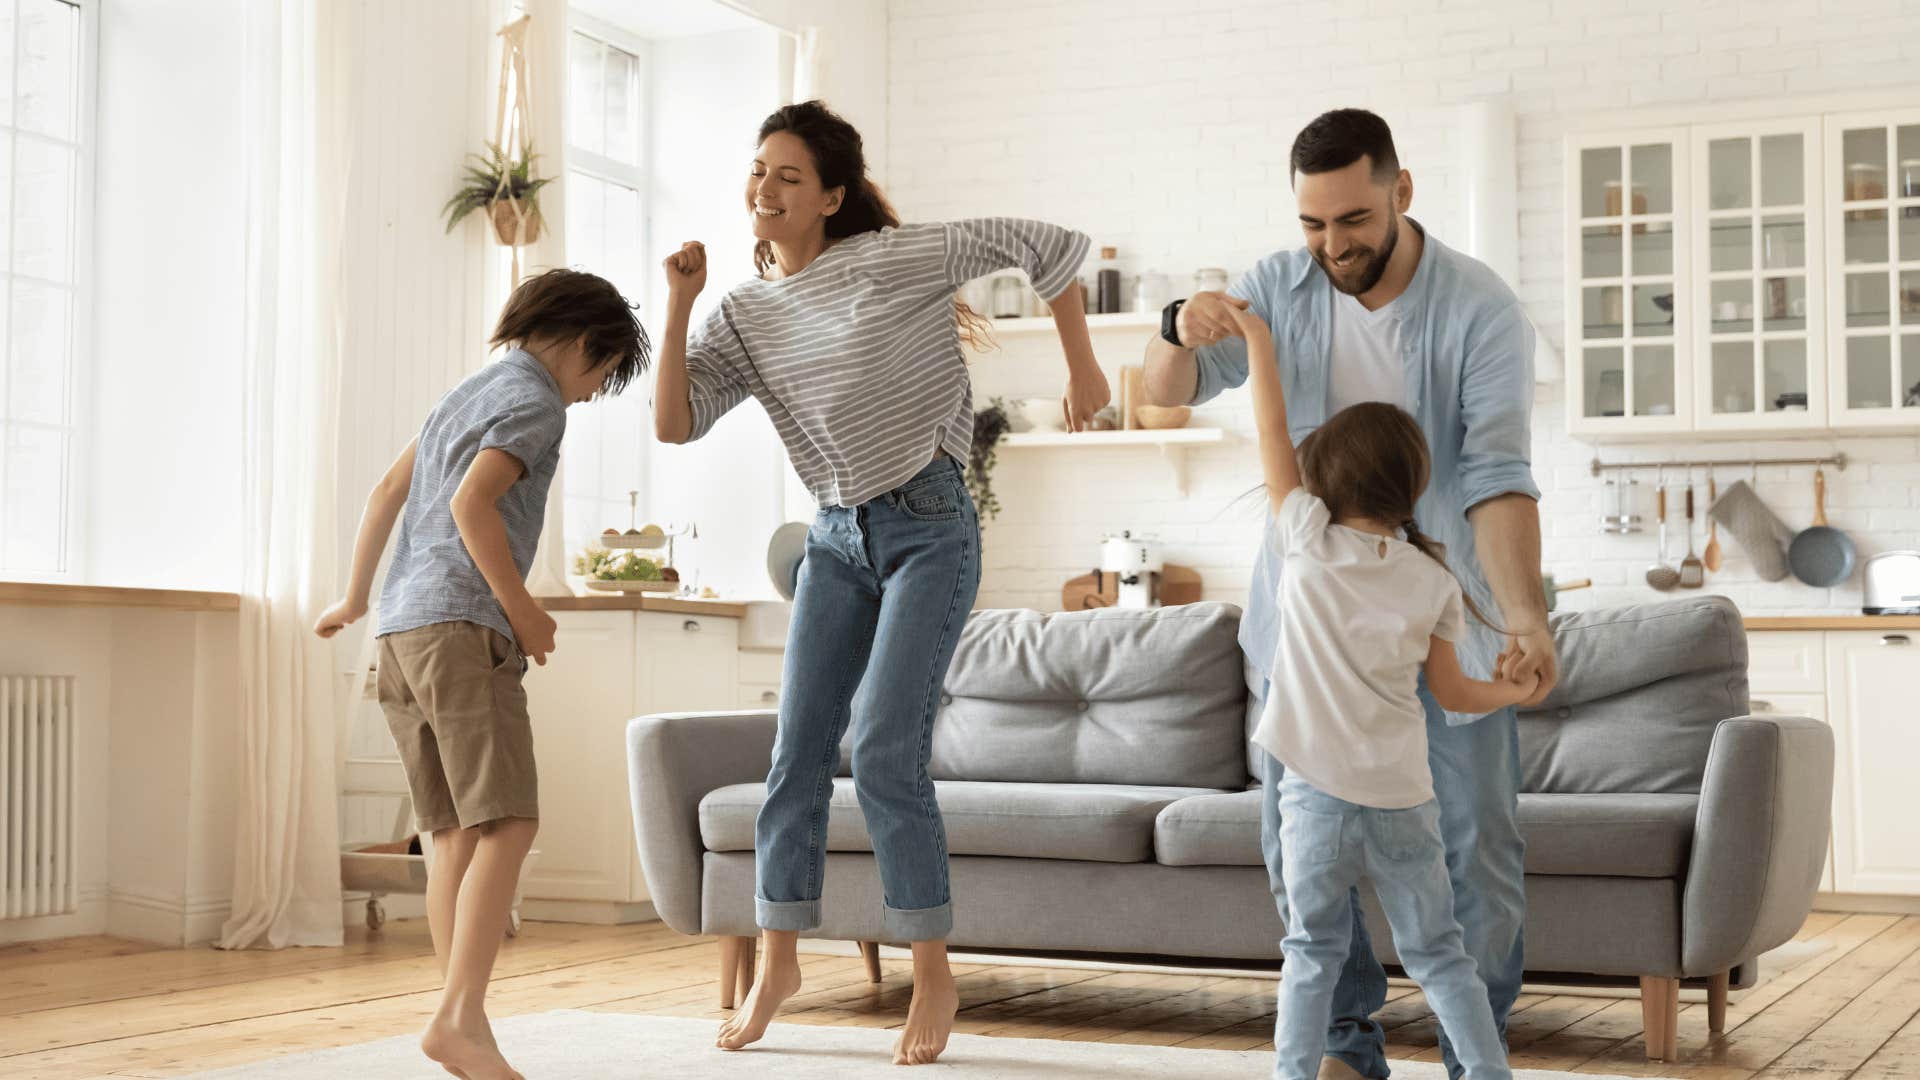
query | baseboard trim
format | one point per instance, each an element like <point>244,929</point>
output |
<point>594,912</point>
<point>165,920</point>
<point>1866,904</point>
<point>90,917</point>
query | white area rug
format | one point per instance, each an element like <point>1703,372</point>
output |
<point>576,1045</point>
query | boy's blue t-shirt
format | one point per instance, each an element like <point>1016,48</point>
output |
<point>514,406</point>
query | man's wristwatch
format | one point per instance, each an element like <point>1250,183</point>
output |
<point>1169,323</point>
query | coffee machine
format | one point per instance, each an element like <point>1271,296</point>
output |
<point>1137,564</point>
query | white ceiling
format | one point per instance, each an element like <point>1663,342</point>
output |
<point>667,18</point>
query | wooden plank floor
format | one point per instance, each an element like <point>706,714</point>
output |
<point>98,1007</point>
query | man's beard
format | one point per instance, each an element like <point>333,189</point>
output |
<point>1372,270</point>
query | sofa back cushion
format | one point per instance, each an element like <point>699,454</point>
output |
<point>1114,696</point>
<point>1641,690</point>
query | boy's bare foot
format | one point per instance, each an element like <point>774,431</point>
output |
<point>779,980</point>
<point>465,1050</point>
<point>929,1017</point>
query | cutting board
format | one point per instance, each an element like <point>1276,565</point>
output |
<point>1178,585</point>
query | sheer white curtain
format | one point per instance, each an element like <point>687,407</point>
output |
<point>546,117</point>
<point>286,859</point>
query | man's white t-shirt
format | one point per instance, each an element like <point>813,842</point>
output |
<point>1357,611</point>
<point>1366,355</point>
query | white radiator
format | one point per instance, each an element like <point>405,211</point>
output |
<point>36,795</point>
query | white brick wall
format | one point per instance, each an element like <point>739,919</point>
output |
<point>1164,129</point>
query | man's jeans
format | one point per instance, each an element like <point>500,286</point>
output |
<point>1476,781</point>
<point>884,592</point>
<point>1327,844</point>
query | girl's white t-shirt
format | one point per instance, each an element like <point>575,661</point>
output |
<point>1357,611</point>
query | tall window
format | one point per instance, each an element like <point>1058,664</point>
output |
<point>606,198</point>
<point>606,162</point>
<point>42,165</point>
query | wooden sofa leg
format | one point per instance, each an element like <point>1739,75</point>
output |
<point>732,950</point>
<point>1660,1013</point>
<point>1717,1001</point>
<point>870,952</point>
<point>749,953</point>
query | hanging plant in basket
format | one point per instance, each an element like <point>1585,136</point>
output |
<point>506,189</point>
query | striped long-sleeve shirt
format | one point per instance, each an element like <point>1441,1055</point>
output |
<point>857,357</point>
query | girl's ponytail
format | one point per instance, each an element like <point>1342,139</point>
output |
<point>1434,550</point>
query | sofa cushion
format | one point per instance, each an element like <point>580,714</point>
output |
<point>1621,835</point>
<point>1088,822</point>
<point>1641,690</point>
<point>1114,696</point>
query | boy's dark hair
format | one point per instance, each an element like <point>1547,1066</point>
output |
<point>1337,139</point>
<point>568,305</point>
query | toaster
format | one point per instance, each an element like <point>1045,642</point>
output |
<point>1891,584</point>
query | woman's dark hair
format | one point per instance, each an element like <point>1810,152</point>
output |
<point>572,305</point>
<point>1370,461</point>
<point>840,157</point>
<point>1337,139</point>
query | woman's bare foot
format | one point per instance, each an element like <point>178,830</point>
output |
<point>935,1001</point>
<point>778,980</point>
<point>466,1050</point>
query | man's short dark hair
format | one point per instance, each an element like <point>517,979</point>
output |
<point>1339,138</point>
<point>567,305</point>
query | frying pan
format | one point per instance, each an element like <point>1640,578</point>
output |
<point>1821,555</point>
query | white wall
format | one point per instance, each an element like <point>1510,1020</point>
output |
<point>1166,133</point>
<point>161,493</point>
<point>156,759</point>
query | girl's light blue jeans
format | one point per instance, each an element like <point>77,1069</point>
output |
<point>884,591</point>
<point>1327,845</point>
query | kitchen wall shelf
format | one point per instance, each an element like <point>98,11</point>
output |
<point>1173,443</point>
<point>1124,320</point>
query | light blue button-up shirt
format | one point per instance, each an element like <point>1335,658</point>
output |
<point>1467,354</point>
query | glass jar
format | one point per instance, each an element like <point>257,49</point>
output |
<point>1209,279</point>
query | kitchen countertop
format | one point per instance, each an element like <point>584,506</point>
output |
<point>676,605</point>
<point>1833,622</point>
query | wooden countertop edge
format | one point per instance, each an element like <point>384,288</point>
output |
<point>44,594</point>
<point>1833,622</point>
<point>675,605</point>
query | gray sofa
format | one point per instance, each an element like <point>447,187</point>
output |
<point>1094,773</point>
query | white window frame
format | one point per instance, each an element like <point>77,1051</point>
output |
<point>69,561</point>
<point>608,170</point>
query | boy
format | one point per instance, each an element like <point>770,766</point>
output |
<point>457,624</point>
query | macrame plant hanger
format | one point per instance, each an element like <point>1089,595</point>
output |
<point>510,128</point>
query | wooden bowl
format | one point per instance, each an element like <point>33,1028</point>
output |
<point>1161,418</point>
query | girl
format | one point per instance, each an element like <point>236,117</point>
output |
<point>849,338</point>
<point>1366,605</point>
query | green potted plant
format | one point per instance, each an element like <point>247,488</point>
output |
<point>990,425</point>
<point>506,188</point>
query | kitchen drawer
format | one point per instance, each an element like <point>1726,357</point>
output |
<point>1786,662</point>
<point>759,695</point>
<point>762,665</point>
<point>1813,705</point>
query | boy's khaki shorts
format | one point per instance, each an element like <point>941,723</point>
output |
<point>453,699</point>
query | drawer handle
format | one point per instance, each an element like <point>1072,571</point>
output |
<point>1895,639</point>
<point>1760,706</point>
<point>769,696</point>
<point>691,626</point>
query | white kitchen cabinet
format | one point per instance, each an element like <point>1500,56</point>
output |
<point>1759,262</point>
<point>1791,304</point>
<point>1872,187</point>
<point>607,668</point>
<point>580,703</point>
<point>1851,680</point>
<point>1628,363</point>
<point>1876,745</point>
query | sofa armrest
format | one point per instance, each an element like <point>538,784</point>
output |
<point>673,761</point>
<point>1760,841</point>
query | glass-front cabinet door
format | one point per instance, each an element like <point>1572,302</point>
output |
<point>1628,371</point>
<point>1757,260</point>
<point>1872,175</point>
